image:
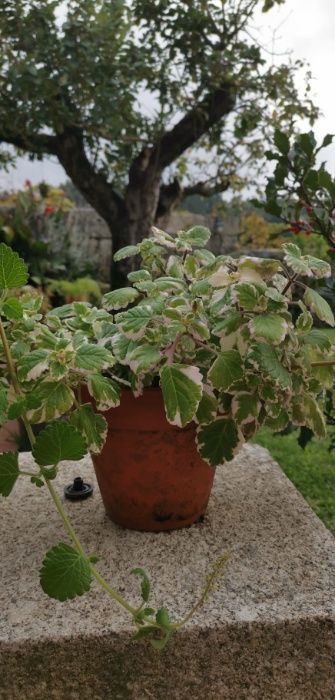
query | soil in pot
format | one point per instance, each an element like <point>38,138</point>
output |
<point>150,474</point>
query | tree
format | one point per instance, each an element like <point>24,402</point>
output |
<point>143,102</point>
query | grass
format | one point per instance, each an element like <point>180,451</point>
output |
<point>311,470</point>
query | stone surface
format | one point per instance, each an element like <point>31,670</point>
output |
<point>267,632</point>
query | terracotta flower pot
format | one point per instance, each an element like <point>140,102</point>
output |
<point>150,474</point>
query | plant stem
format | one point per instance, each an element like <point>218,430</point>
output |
<point>14,380</point>
<point>57,502</point>
<point>289,283</point>
<point>323,363</point>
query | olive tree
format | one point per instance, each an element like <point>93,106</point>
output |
<point>143,102</point>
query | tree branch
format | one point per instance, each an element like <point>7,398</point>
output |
<point>35,143</point>
<point>94,186</point>
<point>193,125</point>
<point>205,189</point>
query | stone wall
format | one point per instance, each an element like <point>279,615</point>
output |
<point>86,237</point>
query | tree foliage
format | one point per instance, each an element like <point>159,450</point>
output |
<point>132,97</point>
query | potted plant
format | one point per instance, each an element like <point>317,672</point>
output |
<point>210,350</point>
<point>212,340</point>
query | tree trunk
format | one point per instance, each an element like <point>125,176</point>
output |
<point>141,203</point>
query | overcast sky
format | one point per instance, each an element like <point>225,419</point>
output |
<point>305,26</point>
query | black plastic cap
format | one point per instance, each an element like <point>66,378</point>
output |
<point>78,490</point>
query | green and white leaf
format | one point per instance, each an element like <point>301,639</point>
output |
<point>174,267</point>
<point>249,296</point>
<point>305,265</point>
<point>9,472</point>
<point>65,573</point>
<point>119,298</point>
<point>208,406</point>
<point>12,309</point>
<point>59,441</point>
<point>226,370</point>
<point>319,306</point>
<point>182,391</point>
<point>122,347</point>
<point>92,357</point>
<point>127,252</point>
<point>32,365</point>
<point>144,358</point>
<point>295,260</point>
<point>139,276</point>
<point>265,358</point>
<point>92,426</point>
<point>54,399</point>
<point>106,392</point>
<point>304,321</point>
<point>133,322</point>
<point>197,236</point>
<point>279,422</point>
<point>318,338</point>
<point>219,441</point>
<point>13,270</point>
<point>319,268</point>
<point>306,411</point>
<point>245,407</point>
<point>270,327</point>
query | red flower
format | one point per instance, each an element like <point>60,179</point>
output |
<point>28,184</point>
<point>48,211</point>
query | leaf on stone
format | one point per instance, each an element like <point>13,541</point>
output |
<point>65,573</point>
<point>319,306</point>
<point>182,391</point>
<point>127,252</point>
<point>271,327</point>
<point>12,309</point>
<point>92,357</point>
<point>32,365</point>
<point>91,425</point>
<point>13,270</point>
<point>197,236</point>
<point>119,298</point>
<point>219,441</point>
<point>105,391</point>
<point>59,441</point>
<point>226,370</point>
<point>265,358</point>
<point>145,583</point>
<point>9,472</point>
